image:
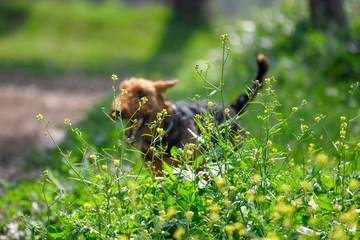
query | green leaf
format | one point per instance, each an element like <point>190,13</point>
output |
<point>199,161</point>
<point>168,169</point>
<point>56,233</point>
<point>174,151</point>
<point>324,202</point>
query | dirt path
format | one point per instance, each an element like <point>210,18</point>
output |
<point>23,96</point>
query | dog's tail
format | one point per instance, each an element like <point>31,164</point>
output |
<point>240,103</point>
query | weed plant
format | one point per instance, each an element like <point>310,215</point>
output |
<point>221,191</point>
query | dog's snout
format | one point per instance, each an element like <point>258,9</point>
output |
<point>117,113</point>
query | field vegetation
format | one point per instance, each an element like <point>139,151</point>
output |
<point>296,176</point>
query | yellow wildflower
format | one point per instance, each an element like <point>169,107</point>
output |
<point>306,185</point>
<point>116,162</point>
<point>189,215</point>
<point>321,158</point>
<point>67,122</point>
<point>220,182</point>
<point>304,128</point>
<point>214,217</point>
<point>261,199</point>
<point>39,117</point>
<point>311,147</point>
<point>312,221</point>
<point>256,178</point>
<point>93,157</point>
<point>285,188</point>
<point>179,232</point>
<point>114,77</point>
<point>160,131</point>
<point>87,206</point>
<point>336,208</point>
<point>148,196</point>
<point>122,237</point>
<point>339,234</point>
<point>354,184</point>
<point>102,211</point>
<point>171,212</point>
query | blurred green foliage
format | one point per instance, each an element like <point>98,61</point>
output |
<point>83,36</point>
<point>79,35</point>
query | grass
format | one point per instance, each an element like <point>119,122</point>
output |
<point>296,176</point>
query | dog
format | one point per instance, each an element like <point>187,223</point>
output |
<point>179,125</point>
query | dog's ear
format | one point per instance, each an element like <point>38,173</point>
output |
<point>163,85</point>
<point>123,84</point>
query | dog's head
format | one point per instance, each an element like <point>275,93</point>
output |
<point>133,92</point>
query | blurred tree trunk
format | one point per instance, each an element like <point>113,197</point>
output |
<point>327,12</point>
<point>190,8</point>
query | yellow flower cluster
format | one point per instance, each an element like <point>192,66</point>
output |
<point>214,210</point>
<point>114,77</point>
<point>304,128</point>
<point>39,117</point>
<point>102,211</point>
<point>122,237</point>
<point>285,209</point>
<point>67,122</point>
<point>179,232</point>
<point>305,185</point>
<point>116,162</point>
<point>171,212</point>
<point>267,81</point>
<point>148,196</point>
<point>351,217</point>
<point>321,158</point>
<point>220,182</point>
<point>256,178</point>
<point>87,206</point>
<point>160,131</point>
<point>343,127</point>
<point>224,38</point>
<point>311,147</point>
<point>93,157</point>
<point>189,215</point>
<point>354,184</point>
<point>285,188</point>
<point>235,227</point>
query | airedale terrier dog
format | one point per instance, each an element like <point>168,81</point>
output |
<point>179,125</point>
